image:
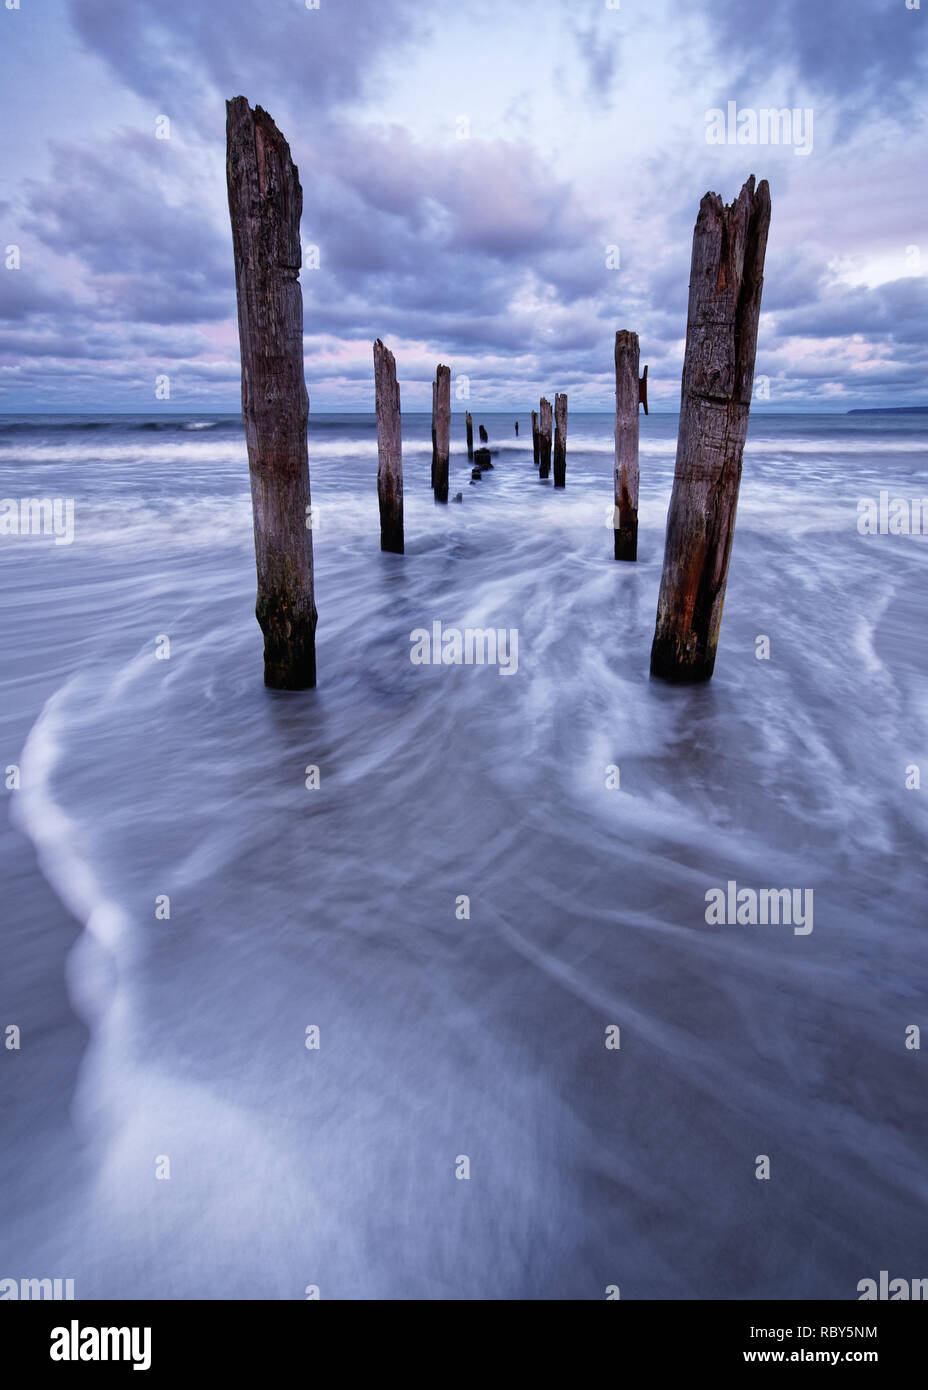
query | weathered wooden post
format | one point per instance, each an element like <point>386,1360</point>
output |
<point>469,426</point>
<point>544,439</point>
<point>630,392</point>
<point>534,436</point>
<point>560,440</point>
<point>389,450</point>
<point>726,280</point>
<point>441,431</point>
<point>517,428</point>
<point>484,437</point>
<point>265,202</point>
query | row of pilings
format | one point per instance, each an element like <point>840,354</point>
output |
<point>726,280</point>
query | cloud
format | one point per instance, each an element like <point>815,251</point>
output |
<point>488,251</point>
<point>599,53</point>
<point>133,215</point>
<point>185,57</point>
<point>856,54</point>
<point>896,312</point>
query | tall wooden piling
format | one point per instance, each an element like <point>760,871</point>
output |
<point>726,280</point>
<point>544,438</point>
<point>389,450</point>
<point>630,392</point>
<point>265,203</point>
<point>534,436</point>
<point>441,431</point>
<point>560,440</point>
<point>469,427</point>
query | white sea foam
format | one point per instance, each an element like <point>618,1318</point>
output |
<point>337,907</point>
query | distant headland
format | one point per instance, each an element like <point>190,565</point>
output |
<point>891,410</point>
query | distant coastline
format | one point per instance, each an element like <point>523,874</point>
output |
<point>891,410</point>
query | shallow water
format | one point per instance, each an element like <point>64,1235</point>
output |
<point>484,1037</point>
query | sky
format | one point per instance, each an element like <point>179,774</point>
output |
<point>499,186</point>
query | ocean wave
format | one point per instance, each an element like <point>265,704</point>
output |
<point>774,445</point>
<point>293,907</point>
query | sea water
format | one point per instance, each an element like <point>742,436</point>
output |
<point>404,987</point>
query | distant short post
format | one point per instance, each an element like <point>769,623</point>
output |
<point>441,431</point>
<point>544,439</point>
<point>484,437</point>
<point>469,427</point>
<point>389,450</point>
<point>265,202</point>
<point>560,440</point>
<point>629,394</point>
<point>726,280</point>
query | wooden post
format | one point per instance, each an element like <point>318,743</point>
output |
<point>441,431</point>
<point>469,426</point>
<point>534,436</point>
<point>544,439</point>
<point>726,280</point>
<point>265,202</point>
<point>517,428</point>
<point>629,394</point>
<point>560,440</point>
<point>389,450</point>
<point>484,437</point>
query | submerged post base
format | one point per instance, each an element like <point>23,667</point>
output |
<point>289,649</point>
<point>626,540</point>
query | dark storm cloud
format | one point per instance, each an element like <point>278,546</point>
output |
<point>104,205</point>
<point>22,296</point>
<point>793,279</point>
<point>147,257</point>
<point>897,311</point>
<point>446,244</point>
<point>857,51</point>
<point>180,55</point>
<point>496,198</point>
<point>57,336</point>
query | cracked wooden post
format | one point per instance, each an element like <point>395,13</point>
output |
<point>560,440</point>
<point>469,427</point>
<point>389,450</point>
<point>630,392</point>
<point>441,431</point>
<point>544,439</point>
<point>534,436</point>
<point>265,203</point>
<point>726,279</point>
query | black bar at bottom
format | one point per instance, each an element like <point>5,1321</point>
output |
<point>243,1338</point>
